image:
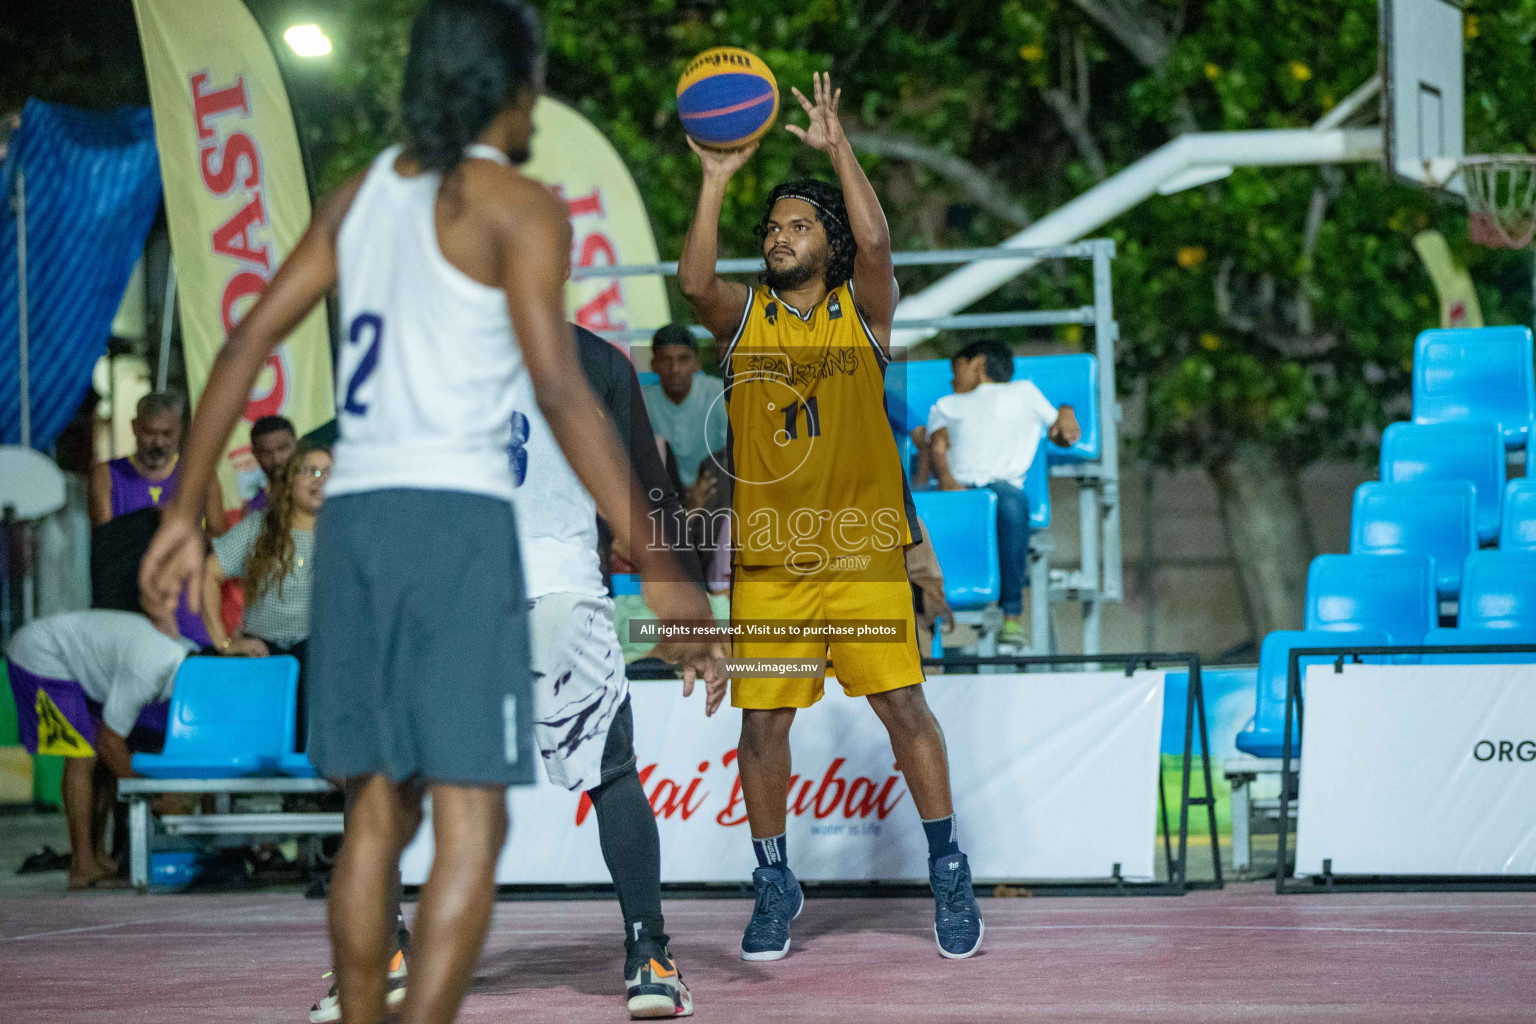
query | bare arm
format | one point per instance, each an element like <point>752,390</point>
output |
<point>174,558</point>
<point>213,510</point>
<point>213,621</point>
<point>716,302</point>
<point>874,279</point>
<point>536,243</point>
<point>99,495</point>
<point>939,446</point>
<point>1065,432</point>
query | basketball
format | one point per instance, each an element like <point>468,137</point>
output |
<point>727,98</point>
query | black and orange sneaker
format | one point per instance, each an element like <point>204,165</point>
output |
<point>654,986</point>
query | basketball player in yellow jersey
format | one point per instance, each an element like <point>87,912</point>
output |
<point>821,512</point>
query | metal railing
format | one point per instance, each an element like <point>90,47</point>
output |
<point>1099,577</point>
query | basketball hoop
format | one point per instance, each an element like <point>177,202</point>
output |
<point>1501,193</point>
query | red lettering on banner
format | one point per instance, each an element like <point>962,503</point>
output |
<point>271,403</point>
<point>594,316</point>
<point>595,245</point>
<point>822,808</point>
<point>208,104</point>
<point>590,205</point>
<point>735,812</point>
<point>236,148</point>
<point>245,283</point>
<point>232,238</point>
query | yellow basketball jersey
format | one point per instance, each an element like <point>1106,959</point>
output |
<point>818,480</point>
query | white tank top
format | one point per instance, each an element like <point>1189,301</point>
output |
<point>429,367</point>
<point>556,517</point>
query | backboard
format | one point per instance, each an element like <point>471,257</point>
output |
<point>1422,102</point>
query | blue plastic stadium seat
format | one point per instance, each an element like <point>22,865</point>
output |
<point>1517,521</point>
<point>1067,380</point>
<point>1472,635</point>
<point>230,718</point>
<point>1413,452</point>
<point>625,583</point>
<point>963,528</point>
<point>1037,483</point>
<point>912,387</point>
<point>1264,735</point>
<point>1482,374</point>
<point>1498,591</point>
<point>649,377</point>
<point>1391,593</point>
<point>1435,517</point>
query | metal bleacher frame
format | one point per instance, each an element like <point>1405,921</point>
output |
<point>137,793</point>
<point>1099,576</point>
<point>1290,771</point>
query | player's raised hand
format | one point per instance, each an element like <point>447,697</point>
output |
<point>825,132</point>
<point>173,564</point>
<point>722,163</point>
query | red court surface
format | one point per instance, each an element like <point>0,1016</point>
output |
<point>1243,954</point>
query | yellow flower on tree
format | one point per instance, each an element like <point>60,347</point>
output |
<point>1210,342</point>
<point>1212,72</point>
<point>1032,52</point>
<point>1300,71</point>
<point>1471,26</point>
<point>1191,256</point>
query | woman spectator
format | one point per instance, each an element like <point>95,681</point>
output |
<point>272,553</point>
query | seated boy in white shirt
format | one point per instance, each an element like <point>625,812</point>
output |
<point>987,434</point>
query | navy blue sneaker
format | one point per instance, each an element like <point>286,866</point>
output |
<point>957,923</point>
<point>779,901</point>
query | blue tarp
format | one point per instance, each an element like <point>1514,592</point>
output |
<point>92,190</point>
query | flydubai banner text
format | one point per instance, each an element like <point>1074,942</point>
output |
<point>1054,777</point>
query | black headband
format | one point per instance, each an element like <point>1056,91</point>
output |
<point>803,197</point>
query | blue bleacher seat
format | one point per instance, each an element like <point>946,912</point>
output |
<point>625,583</point>
<point>1264,735</point>
<point>1037,483</point>
<point>1435,517</point>
<point>1498,591</point>
<point>649,377</point>
<point>1482,374</point>
<point>1071,379</point>
<point>912,387</point>
<point>1517,521</point>
<point>1411,452</point>
<point>230,718</point>
<point>1391,593</point>
<point>1472,635</point>
<point>963,528</point>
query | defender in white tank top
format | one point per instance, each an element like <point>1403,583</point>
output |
<point>430,367</point>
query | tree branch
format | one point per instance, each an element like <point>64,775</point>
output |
<point>1137,28</point>
<point>1072,103</point>
<point>977,185</point>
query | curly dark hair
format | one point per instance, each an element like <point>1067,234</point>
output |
<point>833,215</point>
<point>468,58</point>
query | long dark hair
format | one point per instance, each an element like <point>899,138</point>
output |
<point>833,214</point>
<point>271,558</point>
<point>468,59</point>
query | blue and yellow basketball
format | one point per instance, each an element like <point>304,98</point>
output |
<point>727,98</point>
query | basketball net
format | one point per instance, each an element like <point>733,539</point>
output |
<point>1501,195</point>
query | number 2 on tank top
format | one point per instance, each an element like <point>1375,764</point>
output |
<point>361,323</point>
<point>812,419</point>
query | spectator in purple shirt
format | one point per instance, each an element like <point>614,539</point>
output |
<point>273,442</point>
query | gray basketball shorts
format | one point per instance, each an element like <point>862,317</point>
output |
<point>579,691</point>
<point>418,651</point>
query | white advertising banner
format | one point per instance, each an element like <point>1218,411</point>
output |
<point>1419,770</point>
<point>1054,777</point>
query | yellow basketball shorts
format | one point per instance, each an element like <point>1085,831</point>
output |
<point>863,667</point>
